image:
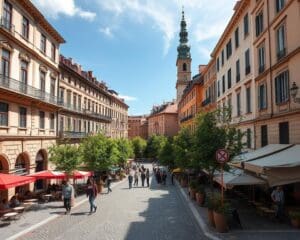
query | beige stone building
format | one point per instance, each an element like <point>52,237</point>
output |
<point>29,48</point>
<point>276,46</point>
<point>163,120</point>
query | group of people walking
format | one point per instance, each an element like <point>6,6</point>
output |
<point>142,173</point>
<point>161,176</point>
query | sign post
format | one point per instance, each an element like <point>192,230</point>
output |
<point>222,156</point>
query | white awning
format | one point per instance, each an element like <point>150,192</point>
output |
<point>280,168</point>
<point>237,177</point>
<point>259,153</point>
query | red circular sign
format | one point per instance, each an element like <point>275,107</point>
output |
<point>222,155</point>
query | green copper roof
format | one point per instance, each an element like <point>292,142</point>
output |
<point>183,49</point>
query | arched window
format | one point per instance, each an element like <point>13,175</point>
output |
<point>20,165</point>
<point>184,67</point>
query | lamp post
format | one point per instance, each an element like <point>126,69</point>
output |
<point>294,92</point>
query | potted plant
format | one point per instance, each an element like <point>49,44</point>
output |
<point>192,189</point>
<point>210,204</point>
<point>183,181</point>
<point>220,212</point>
<point>200,194</point>
<point>295,218</point>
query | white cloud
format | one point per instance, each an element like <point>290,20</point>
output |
<point>127,98</point>
<point>106,31</point>
<point>54,8</point>
<point>206,19</point>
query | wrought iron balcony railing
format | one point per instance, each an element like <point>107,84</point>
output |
<point>6,24</point>
<point>25,89</point>
<point>72,134</point>
<point>281,54</point>
<point>186,118</point>
<point>206,102</point>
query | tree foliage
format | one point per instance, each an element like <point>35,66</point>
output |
<point>125,150</point>
<point>154,145</point>
<point>139,145</point>
<point>166,155</point>
<point>66,157</point>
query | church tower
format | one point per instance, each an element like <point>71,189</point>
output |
<point>184,60</point>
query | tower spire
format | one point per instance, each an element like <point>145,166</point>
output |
<point>183,49</point>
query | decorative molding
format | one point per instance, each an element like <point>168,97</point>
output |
<point>6,45</point>
<point>24,57</point>
<point>43,68</point>
<point>53,75</point>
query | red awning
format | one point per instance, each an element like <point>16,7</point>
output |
<point>81,174</point>
<point>48,174</point>
<point>10,180</point>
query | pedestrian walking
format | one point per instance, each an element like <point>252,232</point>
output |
<point>136,179</point>
<point>143,177</point>
<point>164,177</point>
<point>172,178</point>
<point>130,180</point>
<point>158,176</point>
<point>278,198</point>
<point>147,176</point>
<point>108,182</point>
<point>91,193</point>
<point>67,192</point>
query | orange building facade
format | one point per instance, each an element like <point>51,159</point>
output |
<point>137,127</point>
<point>191,102</point>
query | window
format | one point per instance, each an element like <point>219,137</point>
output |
<point>279,5</point>
<point>236,37</point>
<point>79,102</point>
<point>3,114</point>
<point>74,100</point>
<point>5,65</point>
<point>262,97</point>
<point>184,67</point>
<point>69,98</point>
<point>218,64</point>
<point>7,15</point>
<point>238,74</point>
<point>24,75</point>
<point>25,28</point>
<point>53,51</point>
<point>223,84</point>
<point>247,62</point>
<point>246,25</point>
<point>282,87</point>
<point>219,92</point>
<point>264,135</point>
<point>62,95</point>
<point>222,57</point>
<point>79,125</point>
<point>42,120</point>
<point>22,117</point>
<point>43,43</point>
<point>52,87</point>
<point>280,36</point>
<point>228,49</point>
<point>238,104</point>
<point>52,119</point>
<point>229,78</point>
<point>43,81</point>
<point>248,100</point>
<point>284,136</point>
<point>229,103</point>
<point>261,59</point>
<point>74,125</point>
<point>248,134</point>
<point>259,23</point>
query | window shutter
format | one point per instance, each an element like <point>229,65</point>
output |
<point>277,92</point>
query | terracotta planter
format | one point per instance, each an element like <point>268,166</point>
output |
<point>221,222</point>
<point>200,198</point>
<point>210,216</point>
<point>295,222</point>
<point>183,183</point>
<point>99,186</point>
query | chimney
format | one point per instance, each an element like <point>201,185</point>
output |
<point>90,74</point>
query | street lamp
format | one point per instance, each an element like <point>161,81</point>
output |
<point>294,92</point>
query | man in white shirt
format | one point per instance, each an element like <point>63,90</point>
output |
<point>278,198</point>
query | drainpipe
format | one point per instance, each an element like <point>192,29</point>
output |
<point>270,57</point>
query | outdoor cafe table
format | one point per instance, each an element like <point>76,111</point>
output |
<point>10,215</point>
<point>19,209</point>
<point>47,197</point>
<point>33,200</point>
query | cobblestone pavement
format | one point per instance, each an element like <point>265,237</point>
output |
<point>158,213</point>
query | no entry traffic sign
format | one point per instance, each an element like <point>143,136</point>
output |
<point>222,155</point>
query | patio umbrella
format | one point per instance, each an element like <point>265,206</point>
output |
<point>81,174</point>
<point>48,174</point>
<point>177,170</point>
<point>10,180</point>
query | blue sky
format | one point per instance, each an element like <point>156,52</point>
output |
<point>132,44</point>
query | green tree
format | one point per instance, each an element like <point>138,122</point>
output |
<point>212,133</point>
<point>139,145</point>
<point>154,145</point>
<point>65,157</point>
<point>166,155</point>
<point>182,146</point>
<point>96,152</point>
<point>125,150</point>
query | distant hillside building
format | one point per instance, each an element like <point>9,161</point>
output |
<point>163,120</point>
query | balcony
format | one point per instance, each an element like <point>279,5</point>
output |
<point>6,24</point>
<point>72,134</point>
<point>186,118</point>
<point>206,102</point>
<point>27,90</point>
<point>281,54</point>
